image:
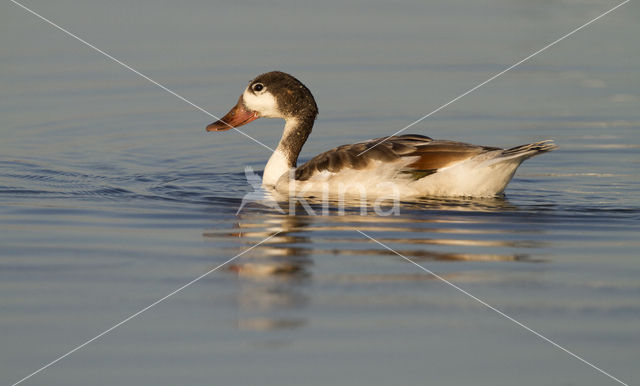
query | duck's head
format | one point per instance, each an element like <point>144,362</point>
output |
<point>271,95</point>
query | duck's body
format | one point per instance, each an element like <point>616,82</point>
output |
<point>411,166</point>
<point>402,166</point>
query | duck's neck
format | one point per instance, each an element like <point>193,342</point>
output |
<point>296,132</point>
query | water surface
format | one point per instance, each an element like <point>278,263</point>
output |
<point>112,196</point>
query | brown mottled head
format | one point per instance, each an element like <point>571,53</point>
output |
<point>272,95</point>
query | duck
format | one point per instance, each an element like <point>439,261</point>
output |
<point>400,166</point>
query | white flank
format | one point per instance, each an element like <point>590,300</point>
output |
<point>485,175</point>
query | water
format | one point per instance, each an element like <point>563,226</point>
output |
<point>113,196</point>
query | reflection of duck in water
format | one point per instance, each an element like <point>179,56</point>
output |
<point>405,166</point>
<point>277,280</point>
<point>271,283</point>
<point>282,256</point>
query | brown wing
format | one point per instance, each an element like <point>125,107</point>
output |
<point>438,154</point>
<point>433,155</point>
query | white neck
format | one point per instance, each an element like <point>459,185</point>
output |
<point>280,161</point>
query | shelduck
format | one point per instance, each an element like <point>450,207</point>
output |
<point>402,166</point>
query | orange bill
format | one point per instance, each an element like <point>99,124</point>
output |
<point>237,116</point>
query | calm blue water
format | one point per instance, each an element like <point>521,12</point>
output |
<point>112,196</point>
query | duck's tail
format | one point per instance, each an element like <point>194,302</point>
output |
<point>529,150</point>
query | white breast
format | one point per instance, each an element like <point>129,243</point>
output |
<point>275,168</point>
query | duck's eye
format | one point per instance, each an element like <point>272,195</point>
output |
<point>258,87</point>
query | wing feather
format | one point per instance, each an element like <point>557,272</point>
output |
<point>432,155</point>
<point>439,154</point>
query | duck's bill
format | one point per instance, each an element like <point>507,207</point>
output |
<point>237,116</point>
